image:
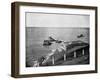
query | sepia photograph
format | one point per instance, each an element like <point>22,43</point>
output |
<point>57,39</point>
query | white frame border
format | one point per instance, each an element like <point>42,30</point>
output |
<point>24,70</point>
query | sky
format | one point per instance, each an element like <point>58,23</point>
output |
<point>56,20</point>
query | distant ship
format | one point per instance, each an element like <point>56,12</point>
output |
<point>80,36</point>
